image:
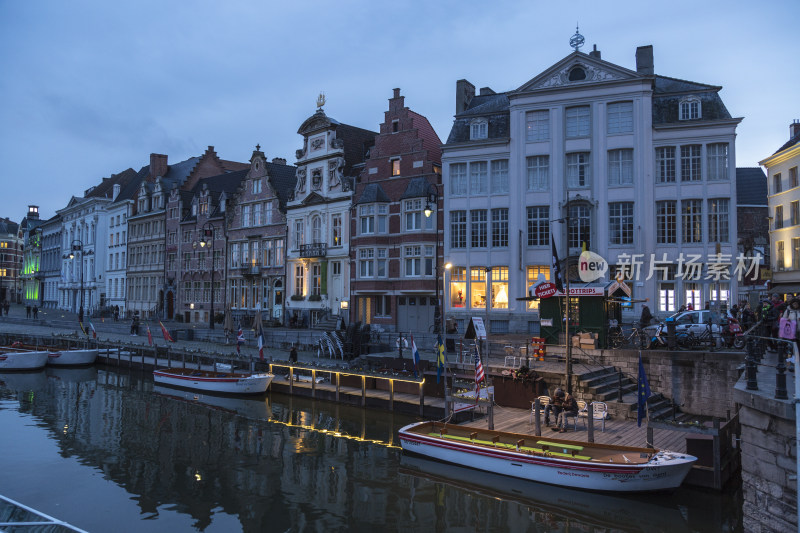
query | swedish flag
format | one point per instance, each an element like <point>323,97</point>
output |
<point>439,358</point>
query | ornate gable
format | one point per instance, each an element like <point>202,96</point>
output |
<point>312,199</point>
<point>577,69</point>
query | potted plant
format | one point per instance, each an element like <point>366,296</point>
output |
<point>297,297</point>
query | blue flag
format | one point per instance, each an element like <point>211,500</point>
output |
<point>643,393</point>
<point>439,359</point>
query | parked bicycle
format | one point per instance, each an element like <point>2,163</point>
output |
<point>688,340</point>
<point>636,338</point>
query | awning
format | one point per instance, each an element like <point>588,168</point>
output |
<point>785,288</point>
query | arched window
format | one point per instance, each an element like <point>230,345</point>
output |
<point>690,108</point>
<point>316,228</point>
<point>577,74</point>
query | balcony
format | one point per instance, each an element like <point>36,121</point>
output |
<point>250,269</point>
<point>317,249</point>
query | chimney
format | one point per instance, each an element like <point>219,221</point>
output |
<point>158,165</point>
<point>279,160</point>
<point>465,91</point>
<point>116,191</point>
<point>794,129</point>
<point>486,90</point>
<point>33,212</point>
<point>596,53</point>
<point>397,102</point>
<point>396,93</point>
<point>644,60</point>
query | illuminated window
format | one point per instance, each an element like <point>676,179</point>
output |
<point>458,287</point>
<point>533,275</point>
<point>395,167</point>
<point>477,287</point>
<point>499,288</point>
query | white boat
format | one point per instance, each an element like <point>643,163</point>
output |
<point>221,382</point>
<point>72,357</point>
<point>580,465</point>
<point>254,408</point>
<point>11,359</point>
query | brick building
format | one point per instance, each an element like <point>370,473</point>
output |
<point>10,260</point>
<point>395,252</point>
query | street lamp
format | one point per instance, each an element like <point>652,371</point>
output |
<point>77,246</point>
<point>568,369</point>
<point>433,207</point>
<point>208,237</point>
<point>447,268</point>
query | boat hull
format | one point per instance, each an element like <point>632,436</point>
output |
<point>72,358</point>
<point>665,471</point>
<point>218,383</point>
<point>22,360</point>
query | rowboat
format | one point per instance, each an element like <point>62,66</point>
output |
<point>213,381</point>
<point>580,465</point>
<point>72,357</point>
<point>15,359</point>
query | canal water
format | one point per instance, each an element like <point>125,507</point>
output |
<point>108,451</point>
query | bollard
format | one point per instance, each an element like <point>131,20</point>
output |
<point>491,411</point>
<point>538,423</point>
<point>590,423</point>
<point>750,365</point>
<point>780,374</point>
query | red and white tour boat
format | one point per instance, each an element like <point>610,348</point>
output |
<point>581,465</point>
<point>214,381</point>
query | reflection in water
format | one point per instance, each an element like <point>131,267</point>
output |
<point>279,463</point>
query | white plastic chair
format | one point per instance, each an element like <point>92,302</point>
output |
<point>543,401</point>
<point>567,416</point>
<point>600,412</point>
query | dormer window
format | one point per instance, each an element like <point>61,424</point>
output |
<point>479,129</point>
<point>690,108</point>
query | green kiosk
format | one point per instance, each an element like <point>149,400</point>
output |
<point>591,306</point>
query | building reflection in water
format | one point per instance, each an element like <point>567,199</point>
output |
<point>281,463</point>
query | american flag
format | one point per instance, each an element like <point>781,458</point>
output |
<point>479,375</point>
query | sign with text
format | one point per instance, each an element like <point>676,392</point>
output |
<point>545,290</point>
<point>475,329</point>
<point>584,291</point>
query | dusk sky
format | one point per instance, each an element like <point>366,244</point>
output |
<point>91,88</point>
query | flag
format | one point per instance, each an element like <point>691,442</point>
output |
<point>415,353</point>
<point>149,336</point>
<point>82,328</point>
<point>555,273</point>
<point>165,332</point>
<point>439,358</point>
<point>239,339</point>
<point>261,345</point>
<point>479,376</point>
<point>94,331</point>
<point>643,393</point>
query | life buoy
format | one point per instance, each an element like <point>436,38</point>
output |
<point>397,342</point>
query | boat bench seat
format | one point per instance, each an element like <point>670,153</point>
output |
<point>561,445</point>
<point>508,446</point>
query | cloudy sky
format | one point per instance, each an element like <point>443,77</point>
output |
<point>91,88</point>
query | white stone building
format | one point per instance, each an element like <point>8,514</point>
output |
<point>52,262</point>
<point>641,164</point>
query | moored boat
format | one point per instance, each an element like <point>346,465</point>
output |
<point>208,381</point>
<point>581,465</point>
<point>15,359</point>
<point>72,357</point>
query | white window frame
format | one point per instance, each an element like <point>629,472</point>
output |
<point>717,161</point>
<point>479,129</point>
<point>499,176</point>
<point>690,108</point>
<point>619,118</point>
<point>579,170</point>
<point>537,125</point>
<point>538,172</point>
<point>578,121</point>
<point>620,166</point>
<point>458,179</point>
<point>478,178</point>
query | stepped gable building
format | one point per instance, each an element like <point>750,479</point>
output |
<point>50,271</point>
<point>256,240</point>
<point>30,276</point>
<point>640,163</point>
<point>784,209</point>
<point>397,215</point>
<point>317,214</point>
<point>11,245</point>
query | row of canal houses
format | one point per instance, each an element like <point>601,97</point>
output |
<point>361,226</point>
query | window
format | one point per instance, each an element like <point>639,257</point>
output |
<point>666,222</point>
<point>690,108</point>
<point>620,167</point>
<point>336,268</point>
<point>477,178</point>
<point>298,233</point>
<point>366,264</point>
<point>299,279</point>
<point>778,216</point>
<point>796,254</point>
<point>336,230</point>
<point>267,212</point>
<point>620,117</point>
<point>458,179</point>
<point>412,256</point>
<point>620,222</point>
<point>691,220</point>
<point>316,229</point>
<point>577,74</point>
<point>246,216</point>
<point>539,225</point>
<point>479,129</point>
<point>578,170</point>
<point>477,287</point>
<point>499,177</point>
<point>395,126</point>
<point>578,121</point>
<point>665,164</point>
<point>533,273</point>
<point>776,184</point>
<point>458,229</point>
<point>395,167</point>
<point>278,252</point>
<point>256,186</point>
<point>383,306</point>
<point>500,287</point>
<point>257,214</point>
<point>500,227</point>
<point>717,155</point>
<point>267,253</point>
<point>380,262</point>
<point>538,126</point>
<point>794,209</point>
<point>187,257</point>
<point>413,214</point>
<point>316,277</point>
<point>383,210</point>
<point>539,173</point>
<point>458,287</point>
<point>429,261</point>
<point>478,228</point>
<point>367,217</point>
<point>579,230</point>
<point>779,255</point>
<point>666,297</point>
<point>793,178</point>
<point>690,163</point>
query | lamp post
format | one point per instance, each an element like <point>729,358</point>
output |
<point>208,236</point>
<point>77,246</point>
<point>568,369</point>
<point>447,268</point>
<point>433,207</point>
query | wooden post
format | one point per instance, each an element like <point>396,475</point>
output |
<point>313,383</point>
<point>537,428</point>
<point>649,441</point>
<point>338,381</point>
<point>291,380</point>
<point>717,455</point>
<point>589,422</point>
<point>363,391</point>
<point>421,400</point>
<point>169,359</point>
<point>391,395</point>
<point>183,359</point>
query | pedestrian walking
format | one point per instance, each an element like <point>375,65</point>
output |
<point>35,311</point>
<point>27,311</point>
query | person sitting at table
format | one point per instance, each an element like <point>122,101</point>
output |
<point>568,408</point>
<point>554,406</point>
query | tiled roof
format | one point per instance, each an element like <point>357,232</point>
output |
<point>751,186</point>
<point>283,179</point>
<point>418,187</point>
<point>493,107</point>
<point>669,92</point>
<point>106,187</point>
<point>791,142</point>
<point>430,139</point>
<point>357,142</point>
<point>177,173</point>
<point>8,227</point>
<point>373,192</point>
